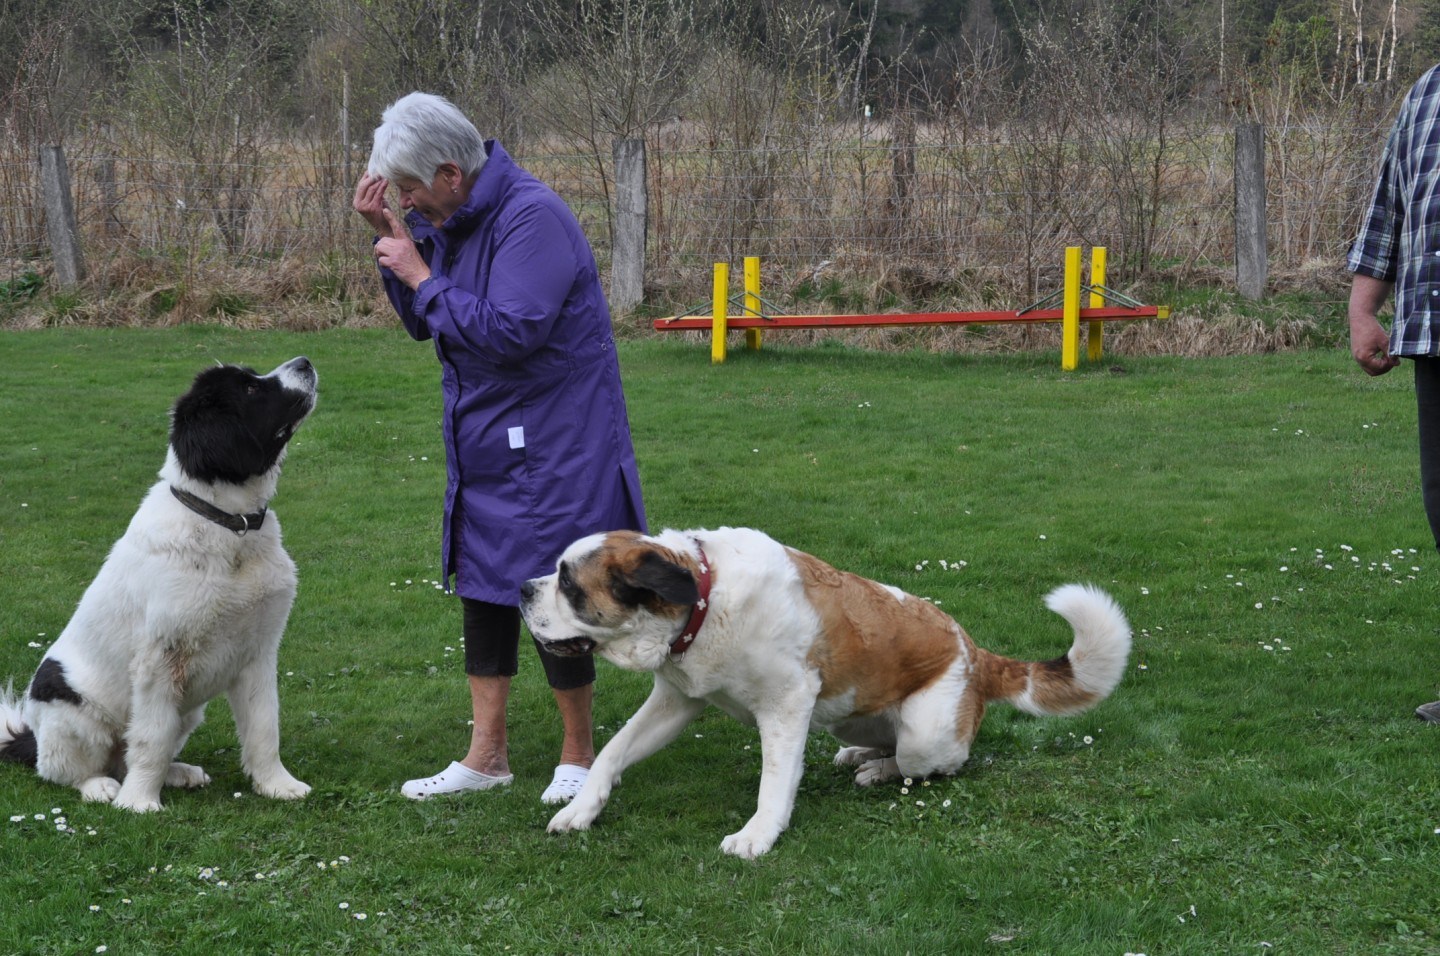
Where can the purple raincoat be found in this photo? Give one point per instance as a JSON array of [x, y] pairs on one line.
[[537, 442]]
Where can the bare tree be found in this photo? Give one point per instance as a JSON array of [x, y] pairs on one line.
[[472, 52]]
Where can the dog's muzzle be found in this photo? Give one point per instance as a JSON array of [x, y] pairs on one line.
[[570, 646]]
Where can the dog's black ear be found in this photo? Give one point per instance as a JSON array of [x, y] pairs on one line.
[[667, 580], [208, 430]]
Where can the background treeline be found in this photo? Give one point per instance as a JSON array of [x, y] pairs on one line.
[[921, 150], [64, 63]]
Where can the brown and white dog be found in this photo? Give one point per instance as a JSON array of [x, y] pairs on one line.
[[780, 639]]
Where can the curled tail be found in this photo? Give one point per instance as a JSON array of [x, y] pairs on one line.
[[17, 742], [1087, 673]]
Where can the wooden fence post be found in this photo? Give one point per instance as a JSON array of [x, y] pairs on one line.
[[109, 189], [1251, 264], [345, 180], [60, 217], [627, 247]]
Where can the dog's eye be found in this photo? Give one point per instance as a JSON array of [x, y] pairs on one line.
[[251, 389], [566, 582]]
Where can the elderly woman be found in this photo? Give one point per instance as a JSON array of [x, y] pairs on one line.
[[493, 268]]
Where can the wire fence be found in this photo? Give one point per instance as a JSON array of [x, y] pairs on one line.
[[991, 213]]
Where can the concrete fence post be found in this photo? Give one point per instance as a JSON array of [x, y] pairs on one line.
[[627, 247], [60, 223], [1251, 264]]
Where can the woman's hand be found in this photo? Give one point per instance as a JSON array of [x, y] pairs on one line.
[[396, 251], [370, 203]]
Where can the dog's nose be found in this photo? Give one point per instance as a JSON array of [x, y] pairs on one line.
[[302, 364], [527, 591]]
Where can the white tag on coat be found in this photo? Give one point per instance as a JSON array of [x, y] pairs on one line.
[[517, 437]]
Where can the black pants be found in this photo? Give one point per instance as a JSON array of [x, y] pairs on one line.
[[492, 648], [1427, 396]]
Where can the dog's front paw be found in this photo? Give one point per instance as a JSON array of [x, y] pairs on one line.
[[749, 843], [186, 775], [877, 771], [282, 788], [99, 790], [133, 800], [575, 816]]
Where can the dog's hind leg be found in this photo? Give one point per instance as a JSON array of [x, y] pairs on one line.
[[74, 749], [659, 720]]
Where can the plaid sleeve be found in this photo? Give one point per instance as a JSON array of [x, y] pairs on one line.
[[1373, 253]]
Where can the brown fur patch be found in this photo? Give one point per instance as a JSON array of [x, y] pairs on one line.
[[1055, 688], [1051, 683], [882, 648], [177, 661], [616, 561]]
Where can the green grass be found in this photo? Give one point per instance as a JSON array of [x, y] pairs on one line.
[[1256, 779]]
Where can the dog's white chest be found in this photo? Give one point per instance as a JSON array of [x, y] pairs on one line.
[[739, 710]]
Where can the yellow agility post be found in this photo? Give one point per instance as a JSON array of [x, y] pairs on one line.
[[1070, 313], [717, 321], [1095, 333], [753, 337]]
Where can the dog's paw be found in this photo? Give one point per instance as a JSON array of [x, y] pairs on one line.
[[99, 790], [282, 788], [136, 802], [855, 756], [186, 775], [749, 843], [877, 771], [572, 817]]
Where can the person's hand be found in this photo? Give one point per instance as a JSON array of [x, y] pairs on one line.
[[396, 251], [1370, 344], [370, 203]]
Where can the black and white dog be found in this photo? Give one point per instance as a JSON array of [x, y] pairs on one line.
[[190, 604]]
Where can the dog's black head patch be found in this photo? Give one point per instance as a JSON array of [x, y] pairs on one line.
[[233, 423]]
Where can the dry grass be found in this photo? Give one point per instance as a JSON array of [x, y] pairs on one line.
[[1187, 336], [306, 295]]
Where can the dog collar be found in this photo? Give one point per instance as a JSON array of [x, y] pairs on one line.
[[701, 608], [240, 524]]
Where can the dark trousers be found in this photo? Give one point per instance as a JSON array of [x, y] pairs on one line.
[[492, 648], [1427, 397]]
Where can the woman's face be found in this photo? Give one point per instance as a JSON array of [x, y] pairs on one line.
[[436, 200]]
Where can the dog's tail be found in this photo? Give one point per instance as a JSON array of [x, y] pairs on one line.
[[17, 742], [1086, 674]]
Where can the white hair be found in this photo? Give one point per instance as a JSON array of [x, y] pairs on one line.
[[420, 132]]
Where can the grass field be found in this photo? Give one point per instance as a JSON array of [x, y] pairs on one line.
[[1256, 785]]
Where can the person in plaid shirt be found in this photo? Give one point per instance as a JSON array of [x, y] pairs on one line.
[[1398, 249]]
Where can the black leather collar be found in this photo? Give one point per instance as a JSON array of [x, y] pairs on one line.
[[240, 524]]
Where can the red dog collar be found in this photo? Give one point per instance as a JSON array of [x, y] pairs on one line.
[[682, 643]]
